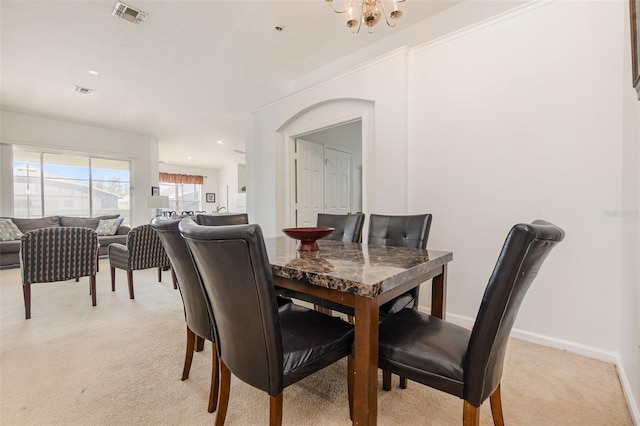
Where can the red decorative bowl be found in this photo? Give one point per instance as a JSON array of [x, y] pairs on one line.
[[308, 236]]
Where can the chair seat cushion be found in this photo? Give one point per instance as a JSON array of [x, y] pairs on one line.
[[311, 341], [425, 349]]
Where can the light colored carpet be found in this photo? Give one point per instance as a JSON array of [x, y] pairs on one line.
[[120, 363]]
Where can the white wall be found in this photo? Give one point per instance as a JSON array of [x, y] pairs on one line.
[[210, 184], [67, 136], [630, 286], [513, 123]]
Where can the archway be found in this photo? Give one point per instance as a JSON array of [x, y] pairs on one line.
[[316, 118]]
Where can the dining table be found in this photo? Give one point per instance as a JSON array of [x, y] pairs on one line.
[[362, 277]]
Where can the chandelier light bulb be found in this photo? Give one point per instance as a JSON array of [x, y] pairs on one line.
[[371, 12], [371, 16]]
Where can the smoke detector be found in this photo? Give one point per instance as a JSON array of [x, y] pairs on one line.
[[129, 13], [83, 90]]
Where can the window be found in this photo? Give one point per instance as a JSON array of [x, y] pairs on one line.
[[66, 180], [110, 186], [182, 196], [47, 184], [183, 191], [27, 184]]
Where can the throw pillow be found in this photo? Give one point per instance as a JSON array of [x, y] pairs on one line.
[[109, 226], [9, 231]]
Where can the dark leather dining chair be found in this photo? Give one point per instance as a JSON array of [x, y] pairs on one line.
[[400, 231], [347, 227], [196, 314], [468, 363], [222, 219], [410, 231], [271, 348]]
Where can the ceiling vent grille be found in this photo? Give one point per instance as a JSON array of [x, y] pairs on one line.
[[128, 13], [238, 151], [83, 90]]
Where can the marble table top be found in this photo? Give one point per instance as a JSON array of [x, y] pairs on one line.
[[350, 267]]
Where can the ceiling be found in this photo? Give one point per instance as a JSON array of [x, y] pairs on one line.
[[189, 76]]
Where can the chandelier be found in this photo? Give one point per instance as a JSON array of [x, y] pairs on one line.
[[370, 13]]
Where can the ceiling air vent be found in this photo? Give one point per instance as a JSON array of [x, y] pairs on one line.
[[83, 90], [238, 151], [128, 13]]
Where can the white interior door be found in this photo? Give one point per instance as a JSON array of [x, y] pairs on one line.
[[309, 182], [337, 188]]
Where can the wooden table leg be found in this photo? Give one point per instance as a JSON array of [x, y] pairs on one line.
[[365, 401], [439, 294]]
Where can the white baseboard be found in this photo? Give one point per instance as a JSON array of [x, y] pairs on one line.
[[628, 393], [541, 339], [569, 346]]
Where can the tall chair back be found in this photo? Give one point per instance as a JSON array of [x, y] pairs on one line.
[[525, 249], [400, 231], [347, 227], [222, 219]]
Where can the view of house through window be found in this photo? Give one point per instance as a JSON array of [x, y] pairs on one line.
[[182, 196], [47, 184]]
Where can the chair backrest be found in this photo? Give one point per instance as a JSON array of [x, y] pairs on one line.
[[145, 249], [522, 255], [348, 227], [196, 311], [58, 254], [236, 275], [222, 219], [400, 231]]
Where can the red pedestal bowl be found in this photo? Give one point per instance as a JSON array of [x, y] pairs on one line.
[[308, 236]]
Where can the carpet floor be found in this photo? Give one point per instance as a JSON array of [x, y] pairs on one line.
[[120, 363]]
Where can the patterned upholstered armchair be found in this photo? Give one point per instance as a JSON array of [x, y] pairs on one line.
[[143, 250], [57, 254]]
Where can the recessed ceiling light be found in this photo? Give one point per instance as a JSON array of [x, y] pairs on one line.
[[220, 143], [94, 72], [188, 157]]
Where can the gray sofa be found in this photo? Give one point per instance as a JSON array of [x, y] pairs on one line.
[[10, 250]]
